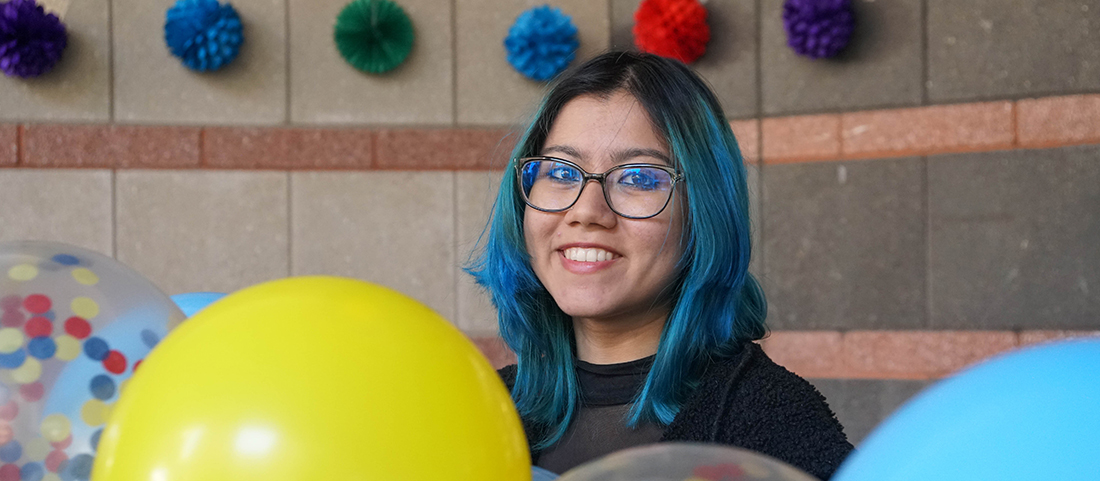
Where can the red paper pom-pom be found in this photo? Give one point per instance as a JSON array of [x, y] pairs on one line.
[[672, 28]]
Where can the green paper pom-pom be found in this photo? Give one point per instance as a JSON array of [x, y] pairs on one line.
[[374, 36]]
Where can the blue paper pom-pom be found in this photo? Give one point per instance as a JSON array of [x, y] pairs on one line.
[[818, 28], [541, 43], [203, 33]]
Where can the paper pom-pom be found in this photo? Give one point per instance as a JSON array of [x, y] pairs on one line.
[[672, 28], [31, 40], [374, 36], [818, 28], [203, 33], [541, 43]]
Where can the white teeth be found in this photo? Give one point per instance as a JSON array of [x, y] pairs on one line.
[[581, 254]]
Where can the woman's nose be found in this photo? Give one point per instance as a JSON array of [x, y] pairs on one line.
[[591, 207]]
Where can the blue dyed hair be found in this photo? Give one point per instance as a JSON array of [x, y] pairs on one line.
[[717, 304]]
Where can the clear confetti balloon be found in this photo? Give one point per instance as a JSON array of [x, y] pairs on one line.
[[74, 325], [685, 462]]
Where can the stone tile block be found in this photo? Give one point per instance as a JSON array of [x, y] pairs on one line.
[[1057, 121], [70, 206], [203, 230], [279, 148], [845, 244], [78, 88], [925, 130], [9, 145], [1013, 239], [862, 404], [729, 64], [57, 145], [489, 90], [747, 133], [325, 89], [393, 228], [415, 149], [152, 86], [475, 193], [983, 49], [801, 138], [920, 354], [881, 67], [807, 353]]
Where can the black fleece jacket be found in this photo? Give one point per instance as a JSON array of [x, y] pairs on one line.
[[749, 401]]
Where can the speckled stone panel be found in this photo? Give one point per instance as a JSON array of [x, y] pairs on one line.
[[881, 67], [325, 89], [729, 64], [982, 49], [152, 86], [393, 228], [862, 404], [475, 193], [197, 230], [70, 206], [78, 88], [845, 244], [1013, 239], [490, 91]]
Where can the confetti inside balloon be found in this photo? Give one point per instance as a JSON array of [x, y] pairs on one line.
[[72, 323]]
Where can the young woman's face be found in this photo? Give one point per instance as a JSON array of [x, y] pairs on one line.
[[596, 264]]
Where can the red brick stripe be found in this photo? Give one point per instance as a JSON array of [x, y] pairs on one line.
[[869, 354], [984, 126], [107, 146], [895, 354], [287, 148]]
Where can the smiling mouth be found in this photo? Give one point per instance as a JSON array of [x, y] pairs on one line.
[[588, 254]]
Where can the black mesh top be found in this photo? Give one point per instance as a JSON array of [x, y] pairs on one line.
[[599, 426]]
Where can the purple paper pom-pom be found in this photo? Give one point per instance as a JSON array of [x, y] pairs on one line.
[[31, 40], [818, 28]]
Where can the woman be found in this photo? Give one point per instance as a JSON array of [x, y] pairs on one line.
[[617, 258]]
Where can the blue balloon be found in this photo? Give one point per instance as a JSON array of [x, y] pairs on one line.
[[539, 474], [1031, 414], [193, 302]]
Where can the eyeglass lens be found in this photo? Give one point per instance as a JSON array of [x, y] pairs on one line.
[[631, 191]]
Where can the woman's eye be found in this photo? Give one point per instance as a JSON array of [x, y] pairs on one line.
[[640, 179], [564, 174]]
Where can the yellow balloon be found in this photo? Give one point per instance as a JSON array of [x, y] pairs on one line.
[[314, 378]]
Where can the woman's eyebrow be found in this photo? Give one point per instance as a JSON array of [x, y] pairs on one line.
[[627, 154], [563, 149]]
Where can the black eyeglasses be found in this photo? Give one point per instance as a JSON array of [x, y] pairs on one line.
[[634, 191]]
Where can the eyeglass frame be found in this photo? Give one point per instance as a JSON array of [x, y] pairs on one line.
[[520, 162]]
